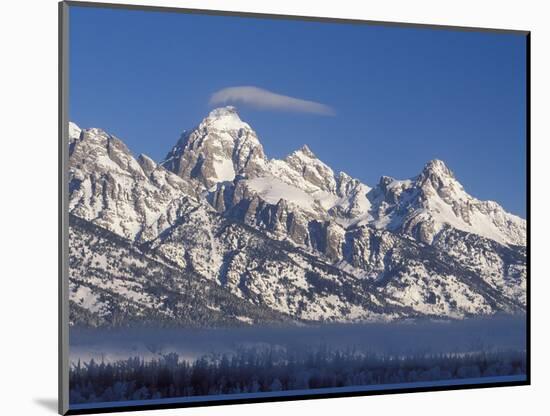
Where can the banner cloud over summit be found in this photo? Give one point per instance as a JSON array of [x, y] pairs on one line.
[[267, 100]]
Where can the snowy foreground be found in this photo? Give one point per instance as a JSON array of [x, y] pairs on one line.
[[141, 364]]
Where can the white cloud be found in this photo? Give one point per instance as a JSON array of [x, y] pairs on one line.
[[264, 99]]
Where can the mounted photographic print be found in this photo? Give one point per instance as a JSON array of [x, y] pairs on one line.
[[263, 208]]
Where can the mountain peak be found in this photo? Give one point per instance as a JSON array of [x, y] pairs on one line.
[[305, 150], [438, 168], [147, 164], [226, 111], [221, 147], [74, 131], [385, 181], [224, 118]]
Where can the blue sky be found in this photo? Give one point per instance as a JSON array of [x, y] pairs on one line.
[[400, 96]]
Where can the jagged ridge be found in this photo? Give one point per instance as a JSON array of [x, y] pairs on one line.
[[217, 208]]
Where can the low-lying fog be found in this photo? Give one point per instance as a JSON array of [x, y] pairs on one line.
[[419, 337]]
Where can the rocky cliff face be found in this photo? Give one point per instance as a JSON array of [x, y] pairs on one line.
[[136, 199], [290, 237], [219, 149]]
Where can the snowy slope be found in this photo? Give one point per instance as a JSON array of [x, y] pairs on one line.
[[134, 198], [223, 149], [219, 148], [289, 236], [424, 205]]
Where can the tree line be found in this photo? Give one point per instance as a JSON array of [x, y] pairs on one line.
[[254, 370]]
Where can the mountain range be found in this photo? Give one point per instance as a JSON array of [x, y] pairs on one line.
[[218, 234]]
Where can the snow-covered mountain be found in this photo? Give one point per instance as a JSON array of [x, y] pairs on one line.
[[131, 197], [290, 237], [219, 149], [424, 205]]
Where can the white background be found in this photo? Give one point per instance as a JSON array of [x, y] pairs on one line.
[[28, 204]]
